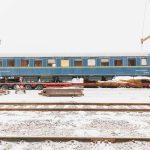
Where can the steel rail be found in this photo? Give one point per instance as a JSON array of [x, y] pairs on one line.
[[76, 109], [69, 103], [64, 139], [21, 106]]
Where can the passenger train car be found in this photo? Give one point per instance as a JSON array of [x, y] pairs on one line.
[[61, 68]]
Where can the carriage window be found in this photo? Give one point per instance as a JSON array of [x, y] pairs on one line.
[[143, 61], [11, 63], [0, 63], [64, 63], [51, 63], [78, 62], [131, 62], [24, 63], [118, 62], [91, 62], [105, 62], [38, 63]]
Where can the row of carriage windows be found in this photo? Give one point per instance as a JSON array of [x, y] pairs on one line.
[[77, 62]]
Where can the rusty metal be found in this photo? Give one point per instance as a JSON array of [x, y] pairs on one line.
[[64, 139], [22, 107], [75, 109], [69, 103]]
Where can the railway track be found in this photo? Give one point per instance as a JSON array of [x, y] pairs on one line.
[[65, 139], [112, 107]]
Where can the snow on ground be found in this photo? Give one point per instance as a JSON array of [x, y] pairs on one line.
[[77, 123], [90, 95], [74, 145], [118, 78]]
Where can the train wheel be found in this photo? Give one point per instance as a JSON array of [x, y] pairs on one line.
[[28, 87], [4, 87], [39, 87], [15, 87]]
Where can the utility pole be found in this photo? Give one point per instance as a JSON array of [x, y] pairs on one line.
[[145, 39]]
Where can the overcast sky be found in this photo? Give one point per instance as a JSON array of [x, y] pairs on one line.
[[68, 26]]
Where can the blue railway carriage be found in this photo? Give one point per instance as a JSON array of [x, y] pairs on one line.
[[60, 68]]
